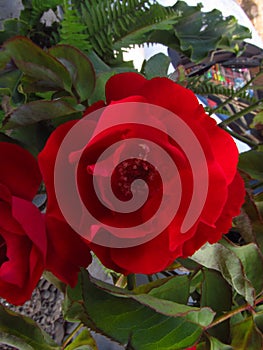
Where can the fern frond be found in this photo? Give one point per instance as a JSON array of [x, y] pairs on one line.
[[207, 87], [72, 31]]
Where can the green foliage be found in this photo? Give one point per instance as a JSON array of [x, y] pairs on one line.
[[137, 319], [113, 26], [72, 30], [23, 333]]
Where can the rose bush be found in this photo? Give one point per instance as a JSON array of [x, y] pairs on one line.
[[23, 241], [225, 188]]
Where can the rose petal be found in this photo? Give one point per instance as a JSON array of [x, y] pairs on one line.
[[67, 251], [20, 172]]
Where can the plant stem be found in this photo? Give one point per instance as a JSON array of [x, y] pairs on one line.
[[241, 138], [246, 307], [71, 336], [241, 113], [229, 99], [131, 281]]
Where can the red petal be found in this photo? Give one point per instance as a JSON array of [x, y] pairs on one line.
[[20, 172], [123, 85], [32, 222], [67, 251]]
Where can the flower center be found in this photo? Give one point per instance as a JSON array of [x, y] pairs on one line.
[[3, 257], [128, 171]]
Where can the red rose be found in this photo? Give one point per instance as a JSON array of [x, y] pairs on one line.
[[161, 109], [22, 228], [67, 251]]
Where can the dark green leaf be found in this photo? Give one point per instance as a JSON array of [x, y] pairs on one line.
[[36, 111], [99, 92], [79, 67], [217, 294], [126, 317], [13, 27], [245, 336], [23, 333], [251, 162], [37, 63], [157, 66]]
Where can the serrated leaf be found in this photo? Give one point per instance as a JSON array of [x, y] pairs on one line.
[[37, 63], [127, 320], [79, 67], [23, 333], [252, 262], [36, 111], [225, 261]]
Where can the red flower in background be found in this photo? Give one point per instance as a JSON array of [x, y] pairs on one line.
[[225, 188], [22, 228]]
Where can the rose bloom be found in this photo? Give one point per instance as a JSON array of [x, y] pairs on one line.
[[225, 188], [22, 228]]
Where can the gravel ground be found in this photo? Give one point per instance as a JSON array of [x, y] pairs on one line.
[[45, 308]]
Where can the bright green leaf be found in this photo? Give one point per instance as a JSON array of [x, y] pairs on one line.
[[215, 344], [83, 341]]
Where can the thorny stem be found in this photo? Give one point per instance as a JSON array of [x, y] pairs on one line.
[[71, 336], [246, 307]]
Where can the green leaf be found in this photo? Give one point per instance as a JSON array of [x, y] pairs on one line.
[[202, 32], [13, 27], [99, 92], [83, 341], [258, 318], [172, 288], [257, 121], [217, 294], [224, 260], [9, 81], [245, 336], [157, 66], [251, 163], [129, 318], [252, 262], [22, 332], [36, 111], [215, 344], [37, 63], [79, 67]]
